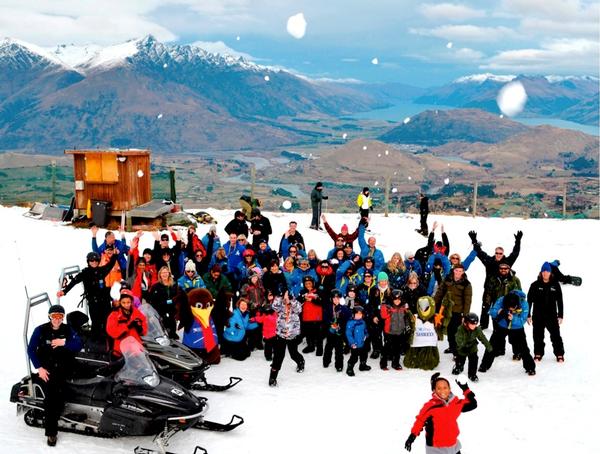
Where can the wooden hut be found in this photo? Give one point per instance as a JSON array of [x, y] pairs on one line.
[[121, 177]]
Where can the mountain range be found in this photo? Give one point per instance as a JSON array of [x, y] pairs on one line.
[[573, 98], [146, 93]]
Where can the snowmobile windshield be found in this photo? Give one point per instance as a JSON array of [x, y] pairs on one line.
[[138, 369], [156, 331]]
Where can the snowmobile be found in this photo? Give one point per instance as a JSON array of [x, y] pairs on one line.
[[172, 359], [124, 398]]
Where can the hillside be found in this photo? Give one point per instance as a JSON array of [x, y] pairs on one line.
[[437, 127]]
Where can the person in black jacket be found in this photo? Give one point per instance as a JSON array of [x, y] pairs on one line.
[[316, 200], [546, 302], [260, 227], [52, 349], [492, 265], [237, 225], [274, 280], [423, 211], [95, 291]]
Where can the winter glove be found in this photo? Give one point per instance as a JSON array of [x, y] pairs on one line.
[[409, 441], [464, 386], [438, 320], [518, 235], [136, 325], [473, 236]]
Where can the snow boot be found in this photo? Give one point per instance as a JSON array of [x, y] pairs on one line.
[[51, 440], [396, 366], [273, 377], [339, 369], [319, 350], [308, 349], [531, 372], [474, 378], [456, 370], [300, 367], [538, 358], [560, 359], [364, 367], [517, 357], [350, 371], [482, 369], [375, 354]]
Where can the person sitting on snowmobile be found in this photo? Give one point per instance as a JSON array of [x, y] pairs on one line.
[[125, 321], [52, 349]]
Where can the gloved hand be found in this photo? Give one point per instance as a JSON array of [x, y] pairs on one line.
[[518, 235], [464, 386], [473, 236], [135, 324], [437, 318], [409, 441]]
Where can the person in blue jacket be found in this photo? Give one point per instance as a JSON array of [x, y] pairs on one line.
[[212, 233], [52, 349], [190, 279], [510, 313], [368, 249], [110, 240], [357, 334], [411, 264], [235, 334]]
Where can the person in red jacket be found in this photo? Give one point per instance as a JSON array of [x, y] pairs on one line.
[[345, 233], [266, 316], [125, 321], [439, 416], [312, 316]]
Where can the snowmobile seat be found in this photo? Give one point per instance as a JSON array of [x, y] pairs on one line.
[[76, 320], [89, 391]]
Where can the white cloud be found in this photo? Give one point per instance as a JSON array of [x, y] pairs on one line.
[[467, 54], [450, 12], [559, 10], [349, 60], [465, 33], [561, 55], [219, 47]]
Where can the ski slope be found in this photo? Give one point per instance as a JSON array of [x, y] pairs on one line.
[[322, 411]]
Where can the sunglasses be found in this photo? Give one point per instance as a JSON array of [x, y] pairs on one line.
[[190, 271], [93, 261], [499, 253], [504, 268], [57, 316]]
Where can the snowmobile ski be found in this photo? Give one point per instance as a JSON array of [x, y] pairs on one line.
[[218, 427], [141, 450], [204, 386]]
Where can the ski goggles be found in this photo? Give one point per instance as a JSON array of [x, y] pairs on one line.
[[56, 316]]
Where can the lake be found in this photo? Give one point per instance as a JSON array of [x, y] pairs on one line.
[[399, 112]]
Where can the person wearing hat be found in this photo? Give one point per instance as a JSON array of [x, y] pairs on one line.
[[510, 313], [238, 224], [438, 266], [411, 264], [439, 417], [221, 290], [468, 335], [163, 255], [364, 203], [396, 326], [291, 237], [491, 264], [335, 317], [380, 294], [51, 349], [125, 321], [211, 234], [364, 288], [344, 232], [190, 278], [260, 228], [357, 336], [312, 316], [264, 255], [316, 201], [95, 291], [546, 303]]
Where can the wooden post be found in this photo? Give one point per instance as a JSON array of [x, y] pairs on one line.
[[475, 199], [387, 196], [53, 168], [252, 181], [565, 201], [172, 181]]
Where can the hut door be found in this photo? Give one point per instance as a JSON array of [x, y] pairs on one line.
[[101, 168]]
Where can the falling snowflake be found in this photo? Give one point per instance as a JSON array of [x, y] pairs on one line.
[[394, 190], [286, 204], [467, 209], [379, 155], [545, 215], [159, 116], [501, 115], [377, 183], [410, 178], [448, 164], [375, 61], [267, 78], [165, 65], [296, 25], [512, 98], [344, 136], [364, 147], [406, 120], [387, 152], [237, 38], [447, 180], [140, 173], [449, 45]]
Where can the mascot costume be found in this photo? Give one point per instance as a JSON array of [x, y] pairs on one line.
[[423, 352], [200, 333]]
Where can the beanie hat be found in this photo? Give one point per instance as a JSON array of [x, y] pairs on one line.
[[546, 267], [435, 378], [164, 236], [56, 309], [190, 266], [382, 276], [126, 294], [408, 254], [319, 185], [345, 227], [216, 268], [213, 228]]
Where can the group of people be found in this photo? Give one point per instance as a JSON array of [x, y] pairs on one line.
[[239, 296]]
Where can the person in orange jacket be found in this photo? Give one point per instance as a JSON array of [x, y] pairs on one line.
[[125, 321]]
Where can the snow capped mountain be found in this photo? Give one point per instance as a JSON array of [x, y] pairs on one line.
[[481, 78], [20, 54], [73, 55]]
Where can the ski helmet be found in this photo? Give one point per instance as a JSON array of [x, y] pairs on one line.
[[472, 317], [56, 309], [93, 257]]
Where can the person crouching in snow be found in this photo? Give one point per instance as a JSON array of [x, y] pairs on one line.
[[235, 334], [357, 334], [439, 417], [467, 336]]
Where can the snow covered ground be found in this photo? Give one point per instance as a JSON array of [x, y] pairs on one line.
[[323, 411]]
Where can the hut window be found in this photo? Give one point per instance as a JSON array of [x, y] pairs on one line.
[[101, 168]]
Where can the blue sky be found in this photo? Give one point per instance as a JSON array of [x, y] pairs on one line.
[[410, 39]]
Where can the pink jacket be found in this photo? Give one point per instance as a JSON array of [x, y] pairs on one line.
[[269, 323]]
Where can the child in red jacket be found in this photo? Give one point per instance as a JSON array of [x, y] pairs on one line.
[[267, 317], [439, 416]]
